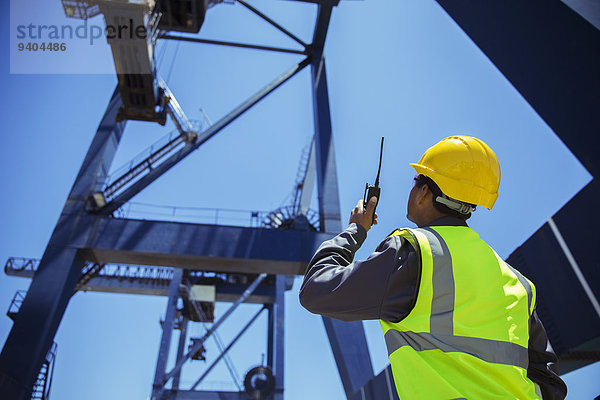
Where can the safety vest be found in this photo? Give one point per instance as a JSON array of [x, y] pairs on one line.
[[467, 335]]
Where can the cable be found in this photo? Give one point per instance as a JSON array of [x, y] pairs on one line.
[[232, 371], [230, 366], [172, 62], [163, 49]]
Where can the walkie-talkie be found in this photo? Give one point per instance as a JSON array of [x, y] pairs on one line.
[[374, 190]]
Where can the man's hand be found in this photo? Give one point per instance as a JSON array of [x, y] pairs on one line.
[[363, 217]]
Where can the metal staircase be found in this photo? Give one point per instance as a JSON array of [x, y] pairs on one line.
[[43, 382]]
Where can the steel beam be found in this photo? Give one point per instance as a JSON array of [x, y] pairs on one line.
[[273, 23], [550, 55], [270, 336], [180, 351], [327, 181], [151, 281], [201, 247], [347, 339], [322, 25], [233, 44], [309, 180], [60, 268], [167, 332], [277, 335], [351, 352], [224, 292]]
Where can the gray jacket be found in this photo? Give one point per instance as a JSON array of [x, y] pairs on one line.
[[384, 286]]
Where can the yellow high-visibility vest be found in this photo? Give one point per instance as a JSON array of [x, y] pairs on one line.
[[468, 333]]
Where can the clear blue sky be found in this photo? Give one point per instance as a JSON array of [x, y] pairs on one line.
[[402, 69]]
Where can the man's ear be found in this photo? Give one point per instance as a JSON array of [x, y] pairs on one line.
[[422, 194]]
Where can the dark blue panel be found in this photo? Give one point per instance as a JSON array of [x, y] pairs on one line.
[[563, 306], [578, 225], [550, 54]]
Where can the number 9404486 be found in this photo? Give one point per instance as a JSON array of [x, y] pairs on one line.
[[49, 46]]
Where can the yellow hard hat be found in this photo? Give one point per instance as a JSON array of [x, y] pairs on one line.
[[465, 169]]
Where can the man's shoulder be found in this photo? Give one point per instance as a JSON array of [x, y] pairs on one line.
[[400, 239]]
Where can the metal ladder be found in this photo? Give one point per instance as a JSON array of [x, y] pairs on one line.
[[43, 382]]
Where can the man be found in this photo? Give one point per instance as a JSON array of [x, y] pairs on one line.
[[459, 322]]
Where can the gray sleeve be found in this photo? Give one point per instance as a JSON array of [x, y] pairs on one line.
[[337, 287], [543, 364]]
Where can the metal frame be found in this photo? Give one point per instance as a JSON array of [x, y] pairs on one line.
[[84, 233]]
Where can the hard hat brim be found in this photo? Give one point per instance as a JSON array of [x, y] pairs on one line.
[[462, 191]]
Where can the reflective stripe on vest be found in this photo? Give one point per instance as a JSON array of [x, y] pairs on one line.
[[493, 351], [438, 332]]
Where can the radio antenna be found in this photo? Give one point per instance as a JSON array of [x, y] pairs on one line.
[[380, 158]]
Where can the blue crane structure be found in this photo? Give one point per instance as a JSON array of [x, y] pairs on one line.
[[547, 49], [207, 262]]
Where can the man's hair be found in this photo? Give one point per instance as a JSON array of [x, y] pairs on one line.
[[421, 180]]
